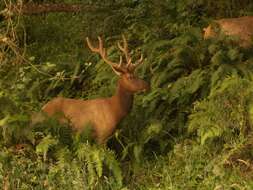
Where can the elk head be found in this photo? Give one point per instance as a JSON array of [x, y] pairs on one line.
[[241, 28], [125, 69]]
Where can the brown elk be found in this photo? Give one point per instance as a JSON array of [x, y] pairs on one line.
[[241, 28], [102, 113]]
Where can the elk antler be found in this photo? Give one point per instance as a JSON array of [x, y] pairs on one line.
[[138, 62], [101, 50], [124, 49], [128, 67]]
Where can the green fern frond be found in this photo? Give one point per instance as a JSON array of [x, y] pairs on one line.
[[150, 132], [220, 74], [45, 144], [97, 156], [91, 173], [224, 113], [114, 167]]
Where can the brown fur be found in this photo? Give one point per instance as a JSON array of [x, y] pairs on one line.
[[241, 27]]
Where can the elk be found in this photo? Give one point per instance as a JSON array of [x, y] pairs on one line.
[[103, 113], [241, 28]]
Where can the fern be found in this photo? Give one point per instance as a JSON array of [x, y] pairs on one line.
[[63, 156], [91, 174], [44, 145], [209, 132], [114, 166], [222, 72], [224, 112], [96, 158], [151, 132], [219, 58]]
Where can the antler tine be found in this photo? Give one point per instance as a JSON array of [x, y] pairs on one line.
[[139, 62], [124, 49], [125, 45], [92, 48], [101, 50], [120, 61]]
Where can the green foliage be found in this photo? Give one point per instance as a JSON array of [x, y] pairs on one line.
[[191, 131], [224, 113], [44, 145], [95, 158], [50, 163]]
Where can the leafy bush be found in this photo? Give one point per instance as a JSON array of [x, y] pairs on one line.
[[225, 112]]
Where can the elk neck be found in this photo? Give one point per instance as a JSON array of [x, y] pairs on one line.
[[122, 101]]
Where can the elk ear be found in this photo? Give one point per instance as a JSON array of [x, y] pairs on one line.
[[118, 70]]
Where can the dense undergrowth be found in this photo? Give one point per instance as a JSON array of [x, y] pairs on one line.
[[193, 130]]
